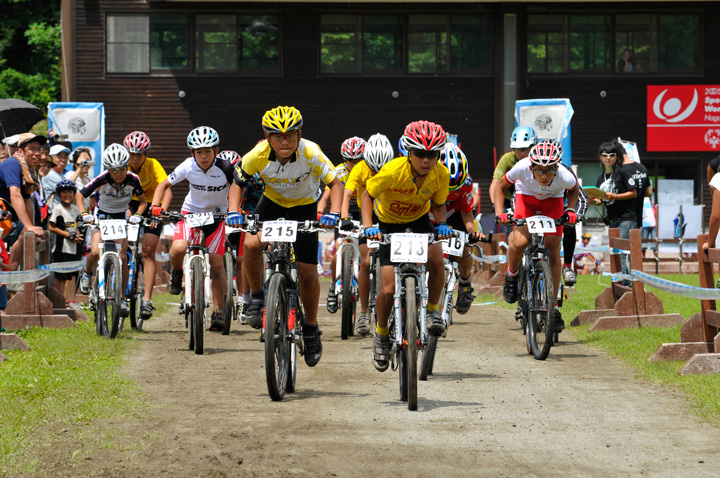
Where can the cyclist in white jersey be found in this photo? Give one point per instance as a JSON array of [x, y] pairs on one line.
[[210, 178], [115, 188]]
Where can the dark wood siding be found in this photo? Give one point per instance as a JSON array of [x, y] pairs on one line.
[[333, 108]]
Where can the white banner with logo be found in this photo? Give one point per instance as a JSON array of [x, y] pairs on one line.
[[84, 125], [550, 118]]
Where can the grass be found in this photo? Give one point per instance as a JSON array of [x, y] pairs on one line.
[[634, 346], [69, 378]]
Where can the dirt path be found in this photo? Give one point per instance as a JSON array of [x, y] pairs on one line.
[[489, 410]]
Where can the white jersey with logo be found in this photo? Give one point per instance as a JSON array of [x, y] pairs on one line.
[[208, 189], [524, 180]]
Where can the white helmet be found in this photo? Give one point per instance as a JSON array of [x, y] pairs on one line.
[[378, 151], [115, 156], [523, 137], [203, 137]]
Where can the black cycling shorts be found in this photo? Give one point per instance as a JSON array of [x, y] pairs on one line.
[[306, 245], [421, 225]]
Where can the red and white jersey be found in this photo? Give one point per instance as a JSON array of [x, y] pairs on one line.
[[524, 180]]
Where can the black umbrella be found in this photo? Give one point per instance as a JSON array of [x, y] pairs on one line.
[[18, 116]]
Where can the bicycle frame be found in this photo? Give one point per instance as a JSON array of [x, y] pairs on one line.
[[196, 247], [349, 239], [99, 277], [132, 252], [402, 271]]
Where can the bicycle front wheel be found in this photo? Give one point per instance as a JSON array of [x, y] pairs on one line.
[[411, 345], [113, 295], [541, 312], [347, 324], [428, 357], [198, 297], [134, 297], [229, 291], [277, 342]]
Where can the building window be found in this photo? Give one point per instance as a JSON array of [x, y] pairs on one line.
[[128, 46], [397, 44], [154, 44], [169, 42], [642, 43]]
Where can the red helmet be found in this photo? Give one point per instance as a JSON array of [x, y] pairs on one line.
[[353, 149], [137, 142], [230, 155], [424, 135], [548, 152]]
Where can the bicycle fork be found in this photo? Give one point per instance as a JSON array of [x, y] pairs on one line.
[[188, 273]]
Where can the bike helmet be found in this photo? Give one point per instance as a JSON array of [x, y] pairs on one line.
[[378, 151], [353, 149], [115, 156], [523, 137], [547, 152], [401, 148], [137, 142], [230, 155], [65, 185], [587, 236], [203, 137], [455, 161], [281, 120], [424, 135]]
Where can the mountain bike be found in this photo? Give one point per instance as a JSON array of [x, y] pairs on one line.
[[407, 321], [107, 286], [536, 311], [346, 278], [196, 273], [135, 288], [230, 311], [283, 315], [453, 248]]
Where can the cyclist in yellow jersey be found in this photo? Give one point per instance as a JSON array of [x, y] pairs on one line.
[[353, 152], [292, 169], [378, 151], [400, 195], [151, 173]]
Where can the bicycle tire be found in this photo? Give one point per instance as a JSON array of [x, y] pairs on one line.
[[402, 372], [198, 296], [113, 294], [541, 311], [428, 357], [189, 326], [229, 291], [292, 375], [347, 320], [375, 281], [411, 334], [277, 345], [133, 296]]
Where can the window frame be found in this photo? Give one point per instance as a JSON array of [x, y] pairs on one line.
[[192, 70]]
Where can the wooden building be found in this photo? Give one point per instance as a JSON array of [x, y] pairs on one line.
[[356, 68]]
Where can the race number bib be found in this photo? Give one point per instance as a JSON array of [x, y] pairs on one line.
[[540, 224], [408, 247], [111, 229], [199, 220], [454, 246], [279, 231], [132, 232]]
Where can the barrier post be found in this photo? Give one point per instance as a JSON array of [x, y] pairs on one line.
[[699, 338], [622, 307], [491, 278]]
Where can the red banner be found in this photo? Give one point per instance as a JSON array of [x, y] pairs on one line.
[[683, 118]]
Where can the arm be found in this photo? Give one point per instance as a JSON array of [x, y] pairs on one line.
[[143, 204], [345, 208], [366, 210], [439, 212], [75, 174], [491, 191], [56, 230], [336, 195], [468, 220], [710, 173], [503, 185], [572, 196], [159, 196], [622, 196], [18, 203], [322, 202], [649, 191], [80, 201], [235, 197], [714, 220]]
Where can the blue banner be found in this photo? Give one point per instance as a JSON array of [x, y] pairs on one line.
[[84, 125]]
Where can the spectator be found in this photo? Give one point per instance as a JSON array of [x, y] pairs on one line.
[[712, 169], [627, 65], [63, 224], [642, 182], [5, 265], [82, 159], [10, 144], [584, 262], [59, 155]]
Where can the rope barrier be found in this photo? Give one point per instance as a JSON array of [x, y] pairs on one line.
[[13, 277], [676, 288], [64, 267]]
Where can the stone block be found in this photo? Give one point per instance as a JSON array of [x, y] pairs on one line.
[[701, 364], [19, 322], [692, 330], [13, 342], [680, 351], [590, 316], [74, 314], [2, 357], [637, 321], [605, 300]]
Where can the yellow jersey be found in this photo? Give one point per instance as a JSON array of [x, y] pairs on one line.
[[296, 183], [357, 180], [398, 200], [151, 173]]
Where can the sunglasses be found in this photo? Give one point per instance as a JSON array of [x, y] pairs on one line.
[[423, 154], [287, 136], [608, 155], [543, 172], [118, 170]]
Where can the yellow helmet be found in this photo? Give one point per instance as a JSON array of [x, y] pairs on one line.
[[281, 120]]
